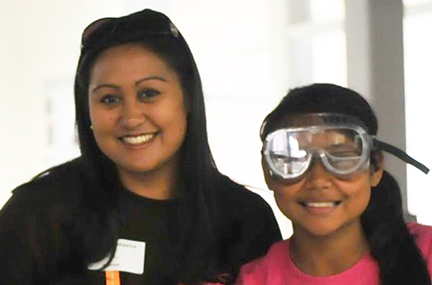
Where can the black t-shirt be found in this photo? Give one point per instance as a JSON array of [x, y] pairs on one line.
[[37, 227]]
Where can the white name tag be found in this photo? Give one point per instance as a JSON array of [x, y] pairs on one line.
[[129, 257]]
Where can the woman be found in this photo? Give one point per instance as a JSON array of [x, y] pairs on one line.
[[144, 201], [325, 165]]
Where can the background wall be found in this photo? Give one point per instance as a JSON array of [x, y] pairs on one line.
[[249, 52]]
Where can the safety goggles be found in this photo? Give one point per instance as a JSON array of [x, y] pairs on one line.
[[134, 26], [341, 143]]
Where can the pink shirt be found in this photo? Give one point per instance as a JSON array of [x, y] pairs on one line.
[[277, 268]]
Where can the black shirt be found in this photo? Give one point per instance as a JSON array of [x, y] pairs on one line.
[[39, 245]]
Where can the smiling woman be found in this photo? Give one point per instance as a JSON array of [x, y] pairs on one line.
[[144, 202]]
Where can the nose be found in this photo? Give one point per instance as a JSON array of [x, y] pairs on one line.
[[132, 115], [318, 177]]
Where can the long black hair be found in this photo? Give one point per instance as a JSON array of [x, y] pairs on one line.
[[197, 214], [400, 261]]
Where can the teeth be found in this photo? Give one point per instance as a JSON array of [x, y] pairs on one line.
[[138, 139], [321, 204]]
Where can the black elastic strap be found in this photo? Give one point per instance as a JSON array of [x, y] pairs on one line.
[[400, 154]]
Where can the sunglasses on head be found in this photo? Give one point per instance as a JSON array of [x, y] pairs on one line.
[[134, 26]]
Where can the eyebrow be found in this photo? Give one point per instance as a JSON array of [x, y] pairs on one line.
[[154, 77], [104, 85], [107, 85]]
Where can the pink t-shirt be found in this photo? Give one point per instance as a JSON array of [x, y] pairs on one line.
[[277, 268]]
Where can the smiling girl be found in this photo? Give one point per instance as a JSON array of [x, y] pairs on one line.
[[325, 166]]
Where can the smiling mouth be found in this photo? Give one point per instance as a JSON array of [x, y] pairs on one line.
[[329, 204], [134, 140]]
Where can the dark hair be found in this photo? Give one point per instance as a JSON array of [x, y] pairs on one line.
[[391, 244], [197, 216]]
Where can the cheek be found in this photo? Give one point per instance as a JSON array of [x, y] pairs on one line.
[[177, 119], [281, 202], [179, 131], [285, 199], [174, 126], [358, 192], [101, 119], [365, 196]]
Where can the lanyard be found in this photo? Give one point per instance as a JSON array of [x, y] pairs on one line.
[[112, 278]]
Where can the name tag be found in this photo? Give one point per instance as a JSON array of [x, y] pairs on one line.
[[129, 257]]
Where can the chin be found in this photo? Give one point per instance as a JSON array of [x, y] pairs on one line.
[[318, 229], [136, 168], [323, 232]]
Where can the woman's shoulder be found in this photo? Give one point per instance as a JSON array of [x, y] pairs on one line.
[[237, 193], [56, 186], [241, 202], [245, 205], [38, 223], [248, 220]]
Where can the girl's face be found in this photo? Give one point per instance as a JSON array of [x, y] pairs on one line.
[[137, 110], [320, 203]]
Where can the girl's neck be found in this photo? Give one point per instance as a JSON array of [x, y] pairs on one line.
[[330, 254], [160, 184]]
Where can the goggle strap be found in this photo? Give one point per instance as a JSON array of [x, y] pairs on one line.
[[400, 154]]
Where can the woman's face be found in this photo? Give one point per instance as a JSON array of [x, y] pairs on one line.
[[321, 203], [137, 109]]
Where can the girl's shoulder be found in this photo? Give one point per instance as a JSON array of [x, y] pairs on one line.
[[277, 255], [272, 265], [275, 259], [419, 229], [423, 237]]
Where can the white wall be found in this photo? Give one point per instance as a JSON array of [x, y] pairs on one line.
[[418, 61]]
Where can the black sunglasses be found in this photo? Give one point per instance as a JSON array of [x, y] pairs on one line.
[[107, 31]]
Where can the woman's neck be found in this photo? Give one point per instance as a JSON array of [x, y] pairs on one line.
[[331, 254], [160, 184]]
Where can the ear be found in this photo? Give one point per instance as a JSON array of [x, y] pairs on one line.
[[377, 168]]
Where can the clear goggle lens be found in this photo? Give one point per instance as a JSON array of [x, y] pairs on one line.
[[342, 150]]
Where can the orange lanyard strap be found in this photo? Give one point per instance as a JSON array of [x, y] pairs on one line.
[[112, 277]]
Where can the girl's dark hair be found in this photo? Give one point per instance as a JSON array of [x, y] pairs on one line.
[[197, 215], [400, 261]]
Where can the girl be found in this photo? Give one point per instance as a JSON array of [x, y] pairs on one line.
[[322, 160], [144, 203]]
